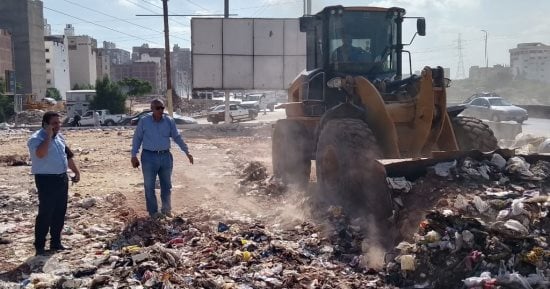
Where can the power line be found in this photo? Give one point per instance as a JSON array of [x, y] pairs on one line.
[[268, 5], [146, 8], [103, 26], [460, 73], [102, 13], [197, 5]]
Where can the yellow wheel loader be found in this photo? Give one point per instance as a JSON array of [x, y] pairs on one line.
[[352, 106]]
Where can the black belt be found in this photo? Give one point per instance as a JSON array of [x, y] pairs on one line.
[[51, 175], [158, 152]]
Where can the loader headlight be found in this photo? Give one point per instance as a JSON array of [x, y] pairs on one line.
[[336, 82]]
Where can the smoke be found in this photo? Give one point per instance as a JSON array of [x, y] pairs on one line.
[[373, 250]]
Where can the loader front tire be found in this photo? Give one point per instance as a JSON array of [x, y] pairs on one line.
[[473, 134], [348, 173], [292, 146]]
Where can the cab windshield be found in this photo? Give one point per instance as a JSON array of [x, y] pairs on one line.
[[360, 42]]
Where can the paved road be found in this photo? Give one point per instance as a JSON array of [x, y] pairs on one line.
[[534, 126], [268, 117], [537, 127]]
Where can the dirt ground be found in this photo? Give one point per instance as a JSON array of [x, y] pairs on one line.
[[104, 160]]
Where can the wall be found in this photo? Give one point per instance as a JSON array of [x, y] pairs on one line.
[[24, 19], [82, 60], [6, 57], [57, 64]]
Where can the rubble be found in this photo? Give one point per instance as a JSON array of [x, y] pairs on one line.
[[255, 181], [487, 229], [31, 116], [473, 222]]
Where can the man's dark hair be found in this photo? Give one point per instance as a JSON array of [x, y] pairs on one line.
[[48, 116]]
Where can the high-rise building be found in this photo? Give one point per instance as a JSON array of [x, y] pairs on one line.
[[146, 71], [69, 30], [116, 55], [146, 54], [531, 61], [6, 56], [47, 28], [24, 20], [103, 63], [57, 63], [82, 59]]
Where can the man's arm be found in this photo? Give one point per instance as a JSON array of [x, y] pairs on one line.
[[178, 138], [72, 165], [40, 146], [137, 139], [42, 149]]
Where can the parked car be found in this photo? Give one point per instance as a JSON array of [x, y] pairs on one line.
[[259, 101], [179, 119], [236, 113], [494, 108], [105, 118]]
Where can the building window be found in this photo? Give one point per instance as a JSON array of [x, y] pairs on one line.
[[47, 50], [48, 81], [47, 61], [48, 71]]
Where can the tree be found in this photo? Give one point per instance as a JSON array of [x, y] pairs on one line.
[[82, 86], [108, 96], [6, 104], [53, 92], [136, 87]]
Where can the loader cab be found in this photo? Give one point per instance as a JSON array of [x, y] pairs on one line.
[[354, 41]]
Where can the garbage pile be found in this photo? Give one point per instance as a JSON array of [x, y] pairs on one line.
[[196, 107], [489, 227], [192, 251], [255, 181], [32, 116], [15, 160]]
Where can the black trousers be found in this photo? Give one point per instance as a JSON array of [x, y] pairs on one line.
[[53, 194]]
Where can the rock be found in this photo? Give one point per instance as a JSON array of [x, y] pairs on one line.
[[87, 203]]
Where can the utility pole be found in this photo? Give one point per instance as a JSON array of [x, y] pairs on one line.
[[169, 102], [307, 7], [460, 67], [486, 57], [226, 92]]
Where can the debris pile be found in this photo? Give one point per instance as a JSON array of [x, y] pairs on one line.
[[196, 107], [15, 160], [255, 181], [32, 116], [489, 227], [192, 251]]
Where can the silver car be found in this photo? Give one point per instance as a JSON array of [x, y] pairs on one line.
[[494, 108]]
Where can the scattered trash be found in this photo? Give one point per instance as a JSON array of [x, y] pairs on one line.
[[444, 169], [399, 184]]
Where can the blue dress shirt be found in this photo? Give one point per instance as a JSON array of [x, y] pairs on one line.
[[55, 161], [155, 135]]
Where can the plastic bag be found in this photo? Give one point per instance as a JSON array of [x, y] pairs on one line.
[[480, 204]]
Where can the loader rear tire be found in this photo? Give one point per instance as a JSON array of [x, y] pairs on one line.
[[473, 134], [292, 146], [348, 173]]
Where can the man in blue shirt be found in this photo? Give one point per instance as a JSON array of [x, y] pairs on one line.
[[153, 133], [50, 158]]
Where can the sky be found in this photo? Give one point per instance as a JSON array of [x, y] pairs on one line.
[[507, 22]]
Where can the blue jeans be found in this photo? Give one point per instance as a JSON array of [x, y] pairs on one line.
[[153, 164]]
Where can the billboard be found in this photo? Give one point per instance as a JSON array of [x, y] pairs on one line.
[[246, 53]]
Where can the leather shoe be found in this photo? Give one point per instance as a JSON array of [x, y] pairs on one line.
[[59, 247], [40, 252]]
